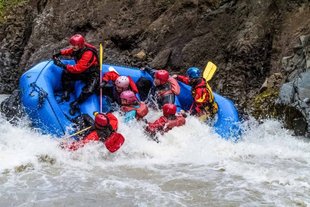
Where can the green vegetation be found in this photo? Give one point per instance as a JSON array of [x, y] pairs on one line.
[[263, 105], [6, 5]]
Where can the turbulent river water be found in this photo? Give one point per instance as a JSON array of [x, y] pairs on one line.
[[191, 166]]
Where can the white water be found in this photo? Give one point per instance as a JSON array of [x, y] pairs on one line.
[[191, 166]]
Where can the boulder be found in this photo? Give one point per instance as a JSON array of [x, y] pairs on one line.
[[294, 96]]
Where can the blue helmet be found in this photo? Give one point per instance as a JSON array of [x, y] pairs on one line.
[[193, 72]]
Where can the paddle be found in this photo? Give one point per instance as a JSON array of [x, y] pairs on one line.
[[209, 71], [208, 74], [101, 58], [79, 132]]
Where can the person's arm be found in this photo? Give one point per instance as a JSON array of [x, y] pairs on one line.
[[113, 121], [156, 125], [82, 65], [183, 79], [66, 52], [149, 70], [83, 121], [88, 120], [132, 85], [110, 76]]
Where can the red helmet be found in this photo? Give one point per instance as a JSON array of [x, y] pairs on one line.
[[78, 40], [169, 109], [162, 76], [101, 120]]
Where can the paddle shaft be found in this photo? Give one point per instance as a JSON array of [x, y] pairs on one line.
[[101, 58], [76, 133]]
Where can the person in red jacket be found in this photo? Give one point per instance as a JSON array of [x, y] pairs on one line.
[[165, 88], [103, 130], [166, 122], [86, 69], [120, 84], [204, 105], [132, 107]]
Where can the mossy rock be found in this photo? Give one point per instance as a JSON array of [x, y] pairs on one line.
[[264, 104], [6, 5]]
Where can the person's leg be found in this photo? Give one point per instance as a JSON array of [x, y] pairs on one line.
[[67, 88], [144, 85], [88, 90]]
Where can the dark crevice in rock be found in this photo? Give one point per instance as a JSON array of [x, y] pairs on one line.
[[294, 120], [41, 4], [125, 41], [83, 29]]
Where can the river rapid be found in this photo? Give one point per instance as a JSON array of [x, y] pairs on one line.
[[191, 166]]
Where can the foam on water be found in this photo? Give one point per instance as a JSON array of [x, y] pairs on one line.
[[190, 166]]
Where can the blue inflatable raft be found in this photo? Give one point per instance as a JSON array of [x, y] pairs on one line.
[[41, 88]]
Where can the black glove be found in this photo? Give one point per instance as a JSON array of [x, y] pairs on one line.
[[59, 63], [56, 56], [103, 84]]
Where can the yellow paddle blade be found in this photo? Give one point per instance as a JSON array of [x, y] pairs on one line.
[[209, 71]]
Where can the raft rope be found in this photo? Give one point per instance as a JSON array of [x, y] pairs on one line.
[[44, 95], [63, 131]]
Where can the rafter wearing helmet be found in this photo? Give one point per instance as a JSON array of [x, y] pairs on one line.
[[86, 69], [204, 105], [132, 107], [168, 121], [164, 88], [120, 84], [104, 130]]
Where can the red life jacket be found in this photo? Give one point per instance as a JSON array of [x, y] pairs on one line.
[[175, 87], [116, 139], [112, 143], [94, 60], [164, 124], [179, 121], [142, 110], [205, 102], [171, 87], [88, 65]]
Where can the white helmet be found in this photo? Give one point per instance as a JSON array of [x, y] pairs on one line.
[[122, 82]]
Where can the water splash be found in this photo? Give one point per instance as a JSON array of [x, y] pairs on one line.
[[191, 165]]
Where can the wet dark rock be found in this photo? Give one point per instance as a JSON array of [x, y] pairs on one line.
[[287, 93], [11, 107], [295, 94], [46, 159], [22, 168], [247, 41]]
